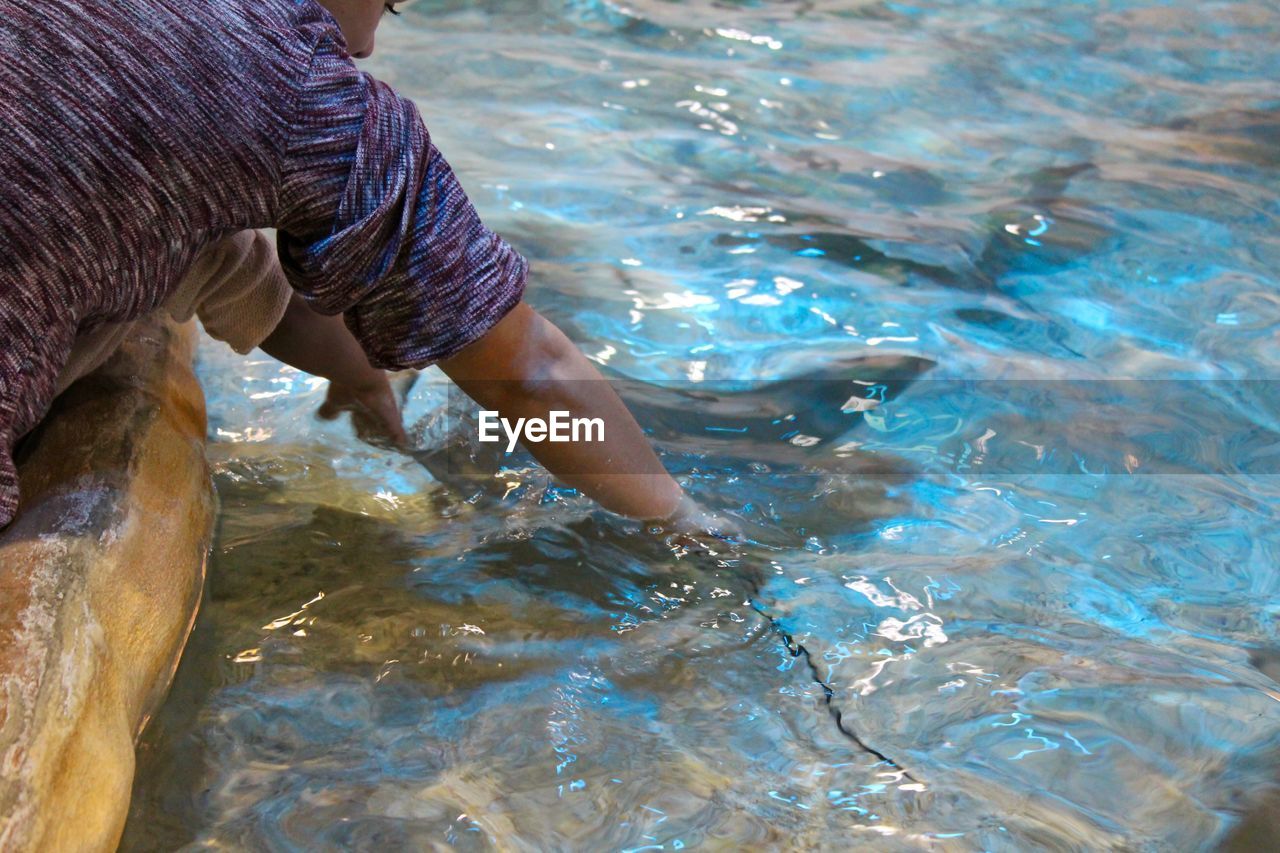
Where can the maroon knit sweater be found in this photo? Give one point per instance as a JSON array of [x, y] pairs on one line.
[[133, 133]]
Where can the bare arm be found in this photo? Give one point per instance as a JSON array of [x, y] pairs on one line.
[[322, 345], [525, 367]]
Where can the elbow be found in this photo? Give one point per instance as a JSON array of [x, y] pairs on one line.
[[524, 358], [546, 366]]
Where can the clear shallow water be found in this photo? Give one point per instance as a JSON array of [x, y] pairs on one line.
[[1059, 658]]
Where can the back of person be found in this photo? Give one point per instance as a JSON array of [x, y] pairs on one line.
[[132, 134], [135, 133]]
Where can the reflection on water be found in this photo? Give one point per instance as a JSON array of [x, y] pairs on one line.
[[1054, 648]]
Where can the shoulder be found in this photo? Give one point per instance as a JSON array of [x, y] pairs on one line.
[[248, 61], [272, 39], [294, 26], [257, 45]]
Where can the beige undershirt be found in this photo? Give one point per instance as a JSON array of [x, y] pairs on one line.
[[235, 287]]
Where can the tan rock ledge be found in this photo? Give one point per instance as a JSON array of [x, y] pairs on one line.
[[100, 578]]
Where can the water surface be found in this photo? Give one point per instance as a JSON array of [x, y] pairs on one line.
[[1053, 646]]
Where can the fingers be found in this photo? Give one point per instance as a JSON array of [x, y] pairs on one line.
[[693, 527], [337, 399], [386, 416], [374, 414]]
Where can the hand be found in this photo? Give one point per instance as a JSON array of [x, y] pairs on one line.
[[692, 521], [373, 408], [694, 530]]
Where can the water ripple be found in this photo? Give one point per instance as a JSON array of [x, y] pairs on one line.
[[1057, 648]]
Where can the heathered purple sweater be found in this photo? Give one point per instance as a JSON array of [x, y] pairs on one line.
[[135, 132]]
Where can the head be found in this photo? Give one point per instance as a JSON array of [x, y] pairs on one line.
[[358, 20]]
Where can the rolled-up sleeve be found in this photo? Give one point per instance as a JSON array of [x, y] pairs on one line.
[[373, 223]]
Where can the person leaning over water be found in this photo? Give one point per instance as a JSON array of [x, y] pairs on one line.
[[143, 141]]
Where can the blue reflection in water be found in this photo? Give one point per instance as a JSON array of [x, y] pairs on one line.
[[1034, 588]]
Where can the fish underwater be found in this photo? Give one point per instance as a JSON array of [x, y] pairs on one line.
[[800, 430], [802, 425]]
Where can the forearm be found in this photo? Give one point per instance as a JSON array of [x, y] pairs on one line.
[[321, 345], [619, 469], [527, 368]]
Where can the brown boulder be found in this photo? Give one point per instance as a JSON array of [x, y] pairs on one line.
[[100, 577]]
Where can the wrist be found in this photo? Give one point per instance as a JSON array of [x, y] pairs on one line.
[[369, 382]]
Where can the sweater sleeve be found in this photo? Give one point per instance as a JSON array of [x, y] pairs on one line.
[[35, 339], [373, 223]]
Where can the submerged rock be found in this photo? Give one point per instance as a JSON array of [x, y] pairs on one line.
[[100, 577]]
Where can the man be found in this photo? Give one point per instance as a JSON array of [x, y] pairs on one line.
[[141, 142]]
